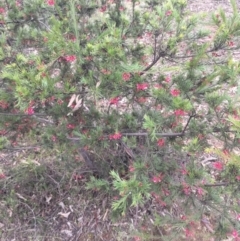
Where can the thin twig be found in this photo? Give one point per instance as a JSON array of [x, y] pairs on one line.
[[161, 54], [189, 119], [157, 134], [21, 114], [21, 148], [219, 184]]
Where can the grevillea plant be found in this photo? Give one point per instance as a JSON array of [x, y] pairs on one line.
[[141, 87]]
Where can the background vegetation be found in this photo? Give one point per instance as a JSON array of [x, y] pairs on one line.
[[119, 121]]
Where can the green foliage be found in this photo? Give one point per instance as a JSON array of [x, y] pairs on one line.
[[3, 142], [132, 192], [140, 87], [97, 184]]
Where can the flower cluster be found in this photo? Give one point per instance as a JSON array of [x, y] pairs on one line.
[[186, 189], [2, 10], [3, 104], [169, 13], [115, 136], [175, 92], [235, 234], [2, 176], [70, 126], [158, 178], [29, 110], [50, 2], [142, 86], [131, 168], [158, 199], [179, 112], [105, 71], [70, 58], [218, 165], [114, 101], [168, 79], [103, 9], [126, 76], [160, 142]]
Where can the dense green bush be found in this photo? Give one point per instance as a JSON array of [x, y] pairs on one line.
[[139, 86]]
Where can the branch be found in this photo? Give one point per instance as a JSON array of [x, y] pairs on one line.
[[157, 134], [219, 184], [161, 54], [189, 119], [21, 148], [21, 114]]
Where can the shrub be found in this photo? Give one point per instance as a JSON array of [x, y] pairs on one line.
[[140, 86]]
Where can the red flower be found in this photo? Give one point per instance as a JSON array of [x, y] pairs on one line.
[[131, 168], [234, 233], [158, 86], [179, 112], [85, 132], [184, 171], [226, 152], [54, 138], [175, 92], [2, 176], [77, 177], [89, 58], [158, 178], [230, 43], [160, 142], [70, 58], [153, 194], [166, 192], [200, 191], [218, 165], [60, 102], [137, 238], [161, 202], [149, 34], [115, 136], [70, 126], [103, 9], [3, 132], [50, 2], [183, 217], [2, 10], [114, 101], [142, 86], [72, 37], [30, 110], [214, 54], [18, 4], [168, 13], [141, 99], [238, 178], [126, 76], [188, 233], [3, 104], [168, 79], [105, 71], [186, 189]]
